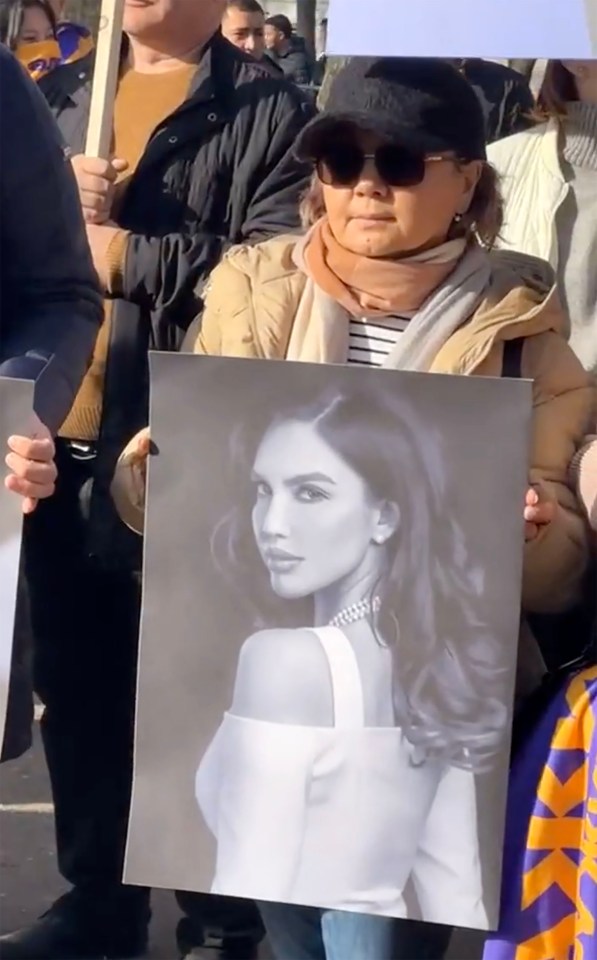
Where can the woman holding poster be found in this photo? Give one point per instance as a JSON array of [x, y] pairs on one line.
[[396, 270]]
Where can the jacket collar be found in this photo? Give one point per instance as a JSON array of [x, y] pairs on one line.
[[521, 301], [214, 72]]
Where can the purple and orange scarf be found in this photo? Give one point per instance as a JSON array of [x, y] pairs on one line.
[[549, 887]]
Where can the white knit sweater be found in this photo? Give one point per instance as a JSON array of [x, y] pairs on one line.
[[576, 225]]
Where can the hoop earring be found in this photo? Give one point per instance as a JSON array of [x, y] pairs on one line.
[[396, 626]]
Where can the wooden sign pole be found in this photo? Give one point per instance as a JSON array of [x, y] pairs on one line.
[[105, 79]]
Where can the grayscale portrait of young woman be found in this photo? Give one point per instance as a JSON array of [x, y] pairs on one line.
[[347, 667]]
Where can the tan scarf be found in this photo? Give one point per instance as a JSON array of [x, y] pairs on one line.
[[369, 286], [320, 330]]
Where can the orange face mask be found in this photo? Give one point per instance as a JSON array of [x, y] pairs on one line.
[[39, 58]]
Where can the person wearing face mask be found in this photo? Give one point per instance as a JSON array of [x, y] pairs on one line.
[[396, 268], [28, 29], [549, 180]]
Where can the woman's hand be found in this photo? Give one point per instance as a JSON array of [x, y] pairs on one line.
[[32, 469], [130, 481], [539, 511], [136, 455]]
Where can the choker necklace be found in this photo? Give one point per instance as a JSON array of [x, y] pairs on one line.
[[361, 610]]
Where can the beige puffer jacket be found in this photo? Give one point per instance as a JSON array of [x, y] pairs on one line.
[[250, 304]]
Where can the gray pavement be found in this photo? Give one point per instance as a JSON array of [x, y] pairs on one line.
[[29, 878]]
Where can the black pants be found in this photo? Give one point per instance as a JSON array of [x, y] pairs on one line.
[[85, 623]]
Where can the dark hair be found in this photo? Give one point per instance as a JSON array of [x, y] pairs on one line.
[[12, 14], [450, 677], [281, 23], [245, 6], [557, 90]]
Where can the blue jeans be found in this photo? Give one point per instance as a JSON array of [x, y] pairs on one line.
[[305, 933]]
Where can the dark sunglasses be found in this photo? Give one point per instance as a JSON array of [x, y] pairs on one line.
[[342, 164]]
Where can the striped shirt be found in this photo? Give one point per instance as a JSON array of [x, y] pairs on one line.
[[371, 341]]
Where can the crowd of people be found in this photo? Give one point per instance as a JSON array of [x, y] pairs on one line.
[[429, 216]]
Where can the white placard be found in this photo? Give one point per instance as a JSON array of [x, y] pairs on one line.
[[492, 29]]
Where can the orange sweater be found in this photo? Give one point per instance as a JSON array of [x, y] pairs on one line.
[[142, 102]]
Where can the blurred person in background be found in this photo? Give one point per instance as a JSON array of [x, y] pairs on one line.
[[202, 152], [76, 41], [243, 24], [505, 96], [322, 38], [322, 59], [28, 29], [287, 50], [549, 181]]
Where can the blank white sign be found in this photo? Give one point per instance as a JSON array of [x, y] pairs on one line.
[[492, 29]]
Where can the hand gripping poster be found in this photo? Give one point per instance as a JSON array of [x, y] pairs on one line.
[[16, 399], [329, 636]]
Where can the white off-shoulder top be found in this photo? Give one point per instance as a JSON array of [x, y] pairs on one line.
[[340, 817]]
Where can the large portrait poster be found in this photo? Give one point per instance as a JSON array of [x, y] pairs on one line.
[[492, 29], [329, 636], [16, 405]]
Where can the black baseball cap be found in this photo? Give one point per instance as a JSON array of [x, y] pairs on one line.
[[423, 104]]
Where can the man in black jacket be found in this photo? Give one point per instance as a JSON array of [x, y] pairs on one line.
[[50, 311], [287, 50], [203, 138]]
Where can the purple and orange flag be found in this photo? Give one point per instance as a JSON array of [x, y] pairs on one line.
[[549, 884]]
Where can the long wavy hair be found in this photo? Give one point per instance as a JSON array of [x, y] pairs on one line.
[[450, 676]]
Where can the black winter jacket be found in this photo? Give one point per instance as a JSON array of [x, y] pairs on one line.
[[50, 302], [295, 64], [219, 171]]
